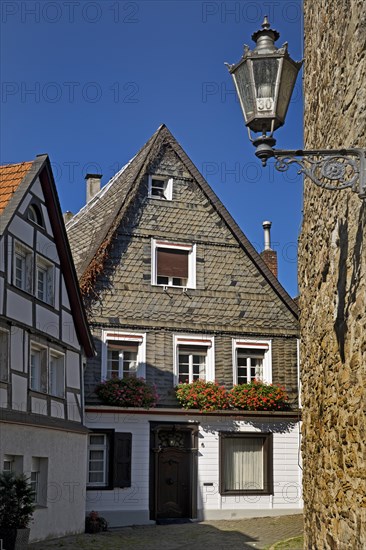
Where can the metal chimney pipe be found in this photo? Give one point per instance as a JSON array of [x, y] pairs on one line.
[[267, 234]]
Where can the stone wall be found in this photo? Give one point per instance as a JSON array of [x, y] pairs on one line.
[[332, 280]]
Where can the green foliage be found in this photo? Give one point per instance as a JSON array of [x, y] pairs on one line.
[[127, 392], [16, 501], [206, 396], [210, 396], [258, 396]]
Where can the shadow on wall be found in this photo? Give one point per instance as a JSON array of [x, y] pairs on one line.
[[347, 297]]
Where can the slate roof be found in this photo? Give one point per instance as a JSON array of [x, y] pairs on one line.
[[91, 230], [11, 176]]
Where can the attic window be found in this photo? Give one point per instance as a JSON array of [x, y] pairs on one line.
[[161, 187], [35, 215], [173, 264]]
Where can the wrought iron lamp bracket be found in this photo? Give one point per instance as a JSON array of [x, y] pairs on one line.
[[332, 169]]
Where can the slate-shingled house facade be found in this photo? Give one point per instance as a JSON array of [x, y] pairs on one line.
[[175, 291], [44, 338]]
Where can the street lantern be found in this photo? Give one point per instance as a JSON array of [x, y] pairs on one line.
[[264, 79]]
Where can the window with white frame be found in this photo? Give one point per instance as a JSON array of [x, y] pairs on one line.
[[123, 355], [4, 355], [56, 373], [194, 358], [173, 264], [46, 370], [161, 187], [246, 463], [109, 459], [38, 480], [38, 368], [251, 361], [98, 459], [45, 280], [23, 267]]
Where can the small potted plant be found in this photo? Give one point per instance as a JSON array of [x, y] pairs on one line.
[[16, 510], [94, 523]]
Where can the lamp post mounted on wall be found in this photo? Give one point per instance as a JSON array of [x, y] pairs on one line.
[[264, 79]]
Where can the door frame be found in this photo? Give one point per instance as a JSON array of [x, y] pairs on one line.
[[192, 429]]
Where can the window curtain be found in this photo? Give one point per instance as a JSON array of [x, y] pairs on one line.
[[243, 465]]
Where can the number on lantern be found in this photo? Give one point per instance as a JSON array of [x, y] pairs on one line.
[[265, 104]]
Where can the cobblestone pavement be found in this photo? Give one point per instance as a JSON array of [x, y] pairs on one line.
[[219, 535]]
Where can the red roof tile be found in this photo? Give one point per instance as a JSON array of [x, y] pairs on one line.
[[11, 175]]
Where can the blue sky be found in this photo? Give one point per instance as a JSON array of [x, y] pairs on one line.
[[88, 82]]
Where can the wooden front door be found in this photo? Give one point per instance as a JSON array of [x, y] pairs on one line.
[[174, 483], [173, 470]]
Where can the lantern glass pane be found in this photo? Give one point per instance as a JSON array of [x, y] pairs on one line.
[[265, 77], [244, 84], [288, 79]]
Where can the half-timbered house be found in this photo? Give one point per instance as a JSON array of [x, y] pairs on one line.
[[44, 338]]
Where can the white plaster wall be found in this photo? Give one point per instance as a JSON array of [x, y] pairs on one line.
[[2, 257], [22, 229], [19, 308], [3, 397], [24, 204], [19, 392], [47, 248], [66, 453], [46, 218], [73, 410], [47, 321], [37, 189], [16, 349], [65, 296], [72, 370], [1, 295], [68, 330]]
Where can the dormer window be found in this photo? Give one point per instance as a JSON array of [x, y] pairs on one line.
[[35, 215], [161, 187]]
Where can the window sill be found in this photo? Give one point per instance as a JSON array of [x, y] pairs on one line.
[[246, 493]]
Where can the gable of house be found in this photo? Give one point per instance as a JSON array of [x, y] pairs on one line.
[[214, 282]]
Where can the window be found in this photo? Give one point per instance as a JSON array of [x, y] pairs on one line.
[[194, 358], [161, 187], [38, 480], [56, 374], [97, 459], [192, 364], [123, 354], [47, 370], [109, 459], [45, 280], [23, 267], [4, 355], [173, 264], [121, 359], [35, 215], [13, 463], [252, 360], [246, 463], [38, 368]]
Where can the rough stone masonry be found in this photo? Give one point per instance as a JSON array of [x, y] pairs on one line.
[[332, 279]]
